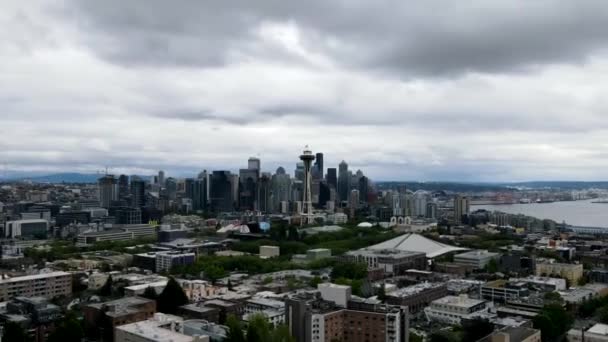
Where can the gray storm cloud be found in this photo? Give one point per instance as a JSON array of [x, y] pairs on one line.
[[434, 90]]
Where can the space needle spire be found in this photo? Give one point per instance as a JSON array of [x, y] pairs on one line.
[[306, 214]]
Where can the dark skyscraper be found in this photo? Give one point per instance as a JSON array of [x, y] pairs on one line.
[[344, 180], [171, 186], [138, 192], [108, 190], [123, 187], [324, 193], [264, 190], [248, 188], [332, 177], [199, 194], [318, 170], [220, 191], [363, 189], [189, 187]]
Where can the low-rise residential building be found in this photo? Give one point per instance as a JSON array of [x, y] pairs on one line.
[[103, 318], [391, 261], [476, 259], [310, 319], [502, 291], [269, 251], [513, 334], [572, 272], [159, 328], [543, 283], [597, 333], [167, 260], [36, 314], [46, 285], [452, 309], [418, 296]]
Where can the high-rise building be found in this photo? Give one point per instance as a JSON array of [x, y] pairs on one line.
[[324, 194], [123, 187], [299, 172], [199, 194], [431, 210], [461, 208], [189, 187], [353, 199], [332, 178], [108, 191], [254, 164], [306, 215], [171, 186], [248, 189], [220, 192], [161, 178], [344, 179], [264, 191], [138, 192], [318, 170], [281, 188], [363, 189]]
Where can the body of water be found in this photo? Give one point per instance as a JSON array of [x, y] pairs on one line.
[[577, 213]]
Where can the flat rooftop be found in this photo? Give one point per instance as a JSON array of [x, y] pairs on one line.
[[462, 301], [476, 255], [34, 277], [414, 289], [154, 330]]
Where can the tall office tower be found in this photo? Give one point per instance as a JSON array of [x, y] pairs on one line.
[[189, 188], [421, 198], [108, 190], [344, 179], [353, 199], [161, 178], [248, 188], [264, 204], [220, 192], [299, 173], [281, 188], [363, 189], [461, 208], [431, 210], [204, 175], [138, 192], [306, 214], [123, 187], [254, 163], [324, 194], [332, 178], [234, 185], [171, 186], [199, 194], [318, 170]]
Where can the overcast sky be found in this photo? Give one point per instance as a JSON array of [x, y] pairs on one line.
[[404, 90]]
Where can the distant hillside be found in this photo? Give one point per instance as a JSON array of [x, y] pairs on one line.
[[566, 185], [68, 177]]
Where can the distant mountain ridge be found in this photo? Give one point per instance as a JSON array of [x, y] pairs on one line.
[[65, 177]]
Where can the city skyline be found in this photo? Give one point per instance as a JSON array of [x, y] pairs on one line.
[[440, 91]]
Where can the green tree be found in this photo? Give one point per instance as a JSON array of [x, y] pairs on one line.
[[68, 330], [150, 293], [475, 329], [382, 293], [172, 297], [14, 332], [553, 296], [106, 289], [258, 329], [603, 314], [492, 267], [214, 272], [415, 338], [313, 282], [349, 270], [235, 330], [281, 334], [553, 321]]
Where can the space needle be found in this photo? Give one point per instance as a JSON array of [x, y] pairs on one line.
[[306, 214]]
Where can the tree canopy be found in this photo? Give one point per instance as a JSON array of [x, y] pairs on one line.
[[171, 298]]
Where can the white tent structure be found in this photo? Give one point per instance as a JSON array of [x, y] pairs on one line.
[[417, 243]]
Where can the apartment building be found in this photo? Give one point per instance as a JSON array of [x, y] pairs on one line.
[[46, 285]]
